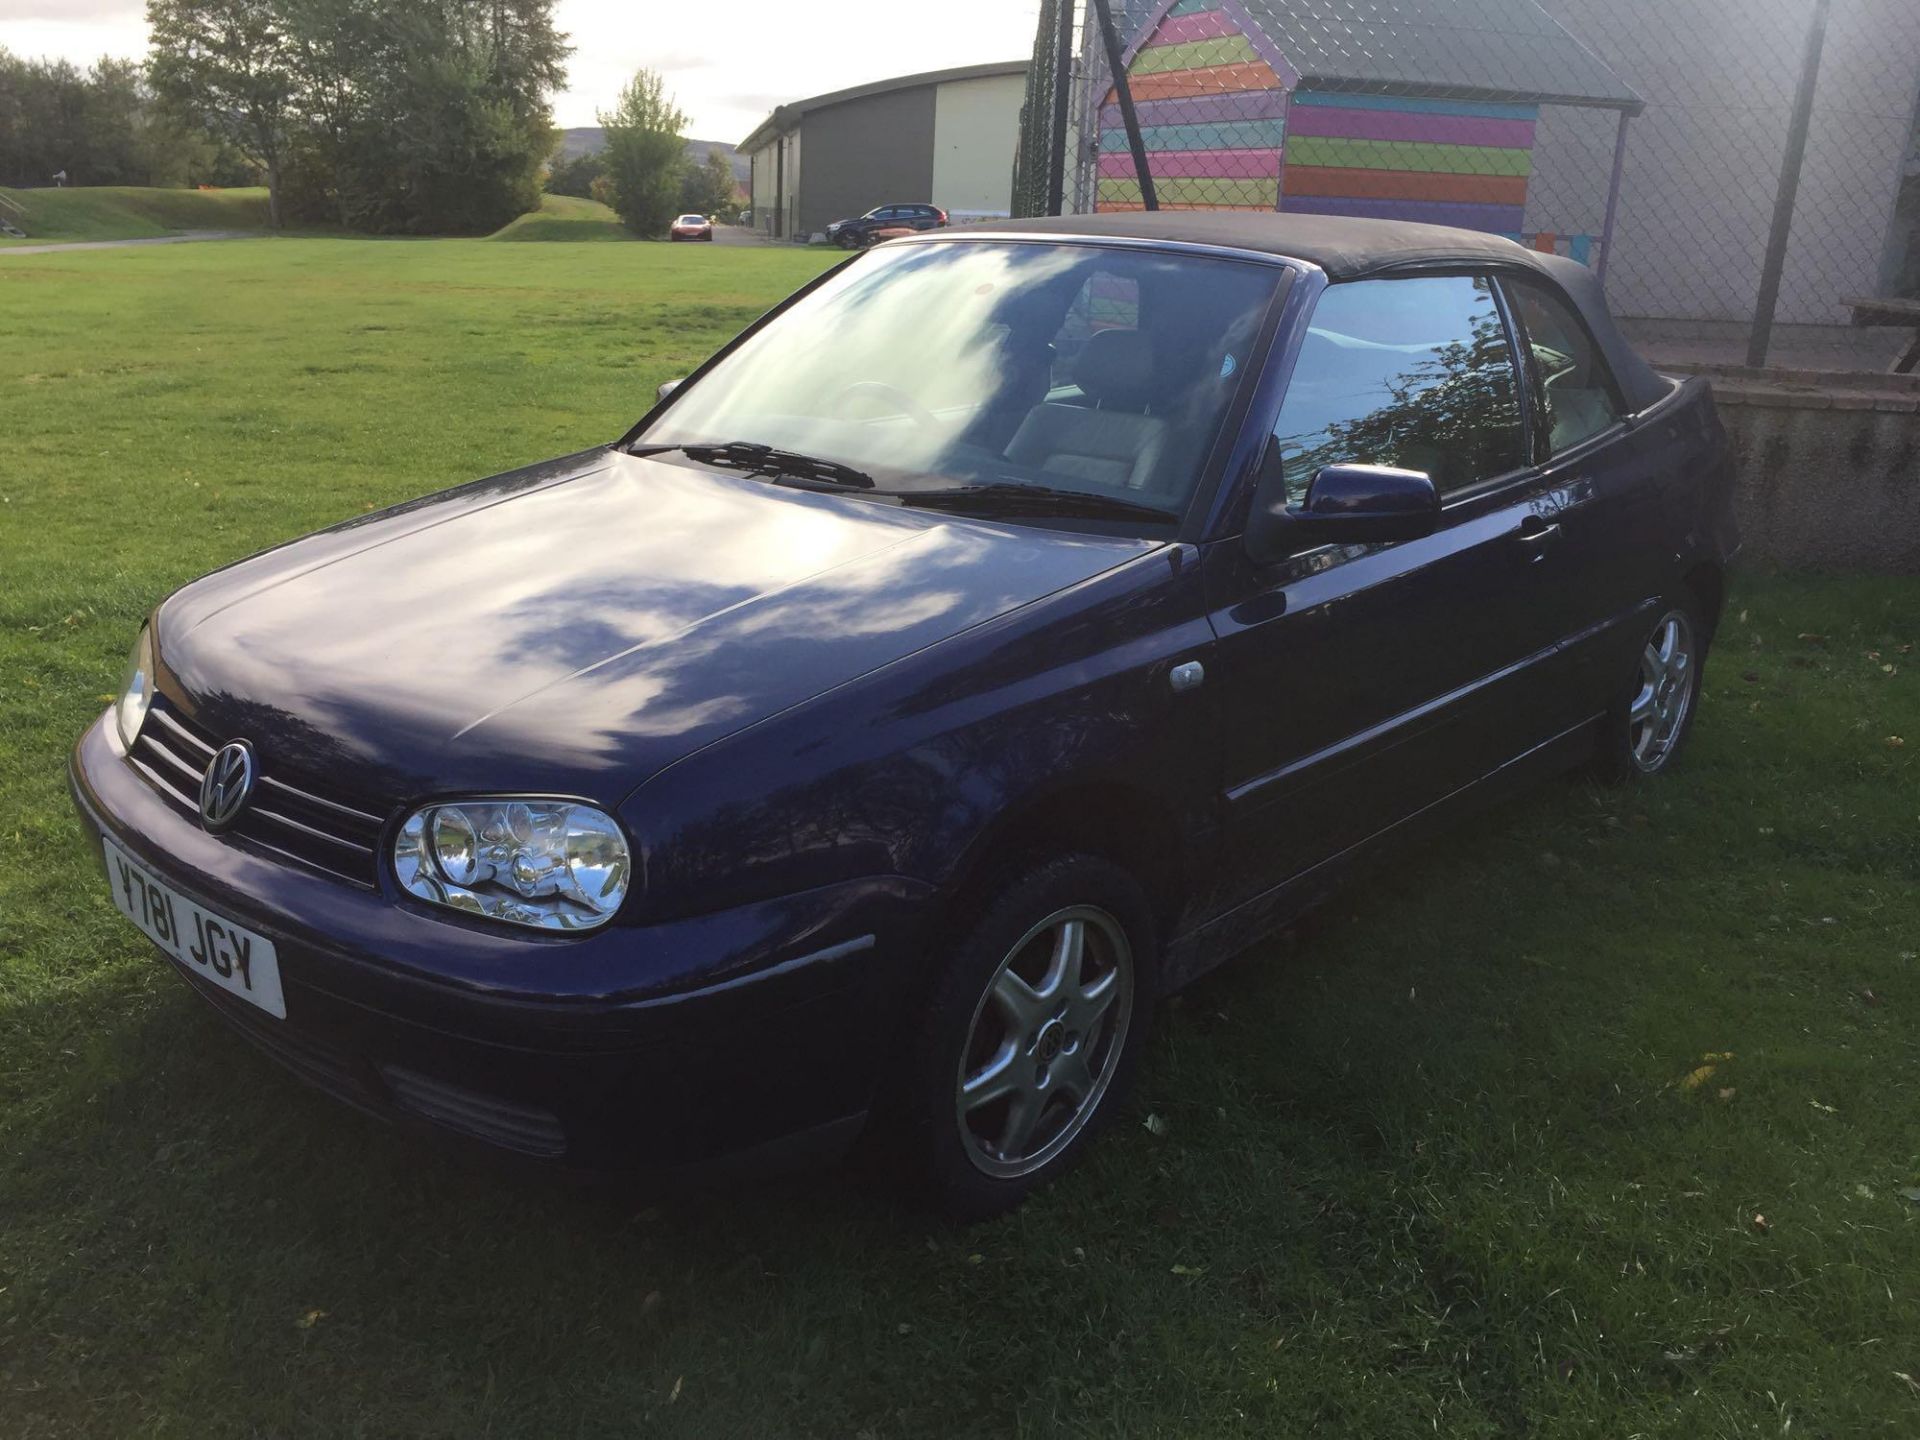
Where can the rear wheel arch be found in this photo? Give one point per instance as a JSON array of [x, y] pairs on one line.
[[1706, 584]]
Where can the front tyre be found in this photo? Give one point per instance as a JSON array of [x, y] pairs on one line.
[[1654, 714], [1031, 1035]]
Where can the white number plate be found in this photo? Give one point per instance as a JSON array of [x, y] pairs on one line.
[[211, 946]]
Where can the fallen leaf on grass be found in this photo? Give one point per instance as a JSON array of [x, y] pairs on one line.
[[310, 1319], [1912, 1193], [1869, 997], [1894, 742], [1156, 1125], [1713, 1055], [1694, 1079], [1761, 1223], [674, 1395], [1807, 638], [1823, 1109], [1725, 1093], [1188, 1270]]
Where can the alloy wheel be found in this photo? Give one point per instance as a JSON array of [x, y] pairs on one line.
[[1665, 697], [1045, 1040]]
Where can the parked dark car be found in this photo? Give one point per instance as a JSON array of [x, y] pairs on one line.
[[691, 227], [853, 234], [991, 639]]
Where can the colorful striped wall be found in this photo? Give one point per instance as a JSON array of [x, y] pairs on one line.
[[1222, 133], [1212, 113], [1446, 162]]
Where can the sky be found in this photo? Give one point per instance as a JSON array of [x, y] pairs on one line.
[[728, 63]]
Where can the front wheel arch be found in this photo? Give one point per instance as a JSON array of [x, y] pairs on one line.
[[1123, 824]]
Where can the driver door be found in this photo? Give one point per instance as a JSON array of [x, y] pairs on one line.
[[1365, 683]]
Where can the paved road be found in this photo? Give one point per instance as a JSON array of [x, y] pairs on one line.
[[181, 239], [737, 235]]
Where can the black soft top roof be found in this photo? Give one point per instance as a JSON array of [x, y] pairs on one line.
[[1353, 249]]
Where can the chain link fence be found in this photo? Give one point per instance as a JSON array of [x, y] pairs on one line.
[[1745, 173]]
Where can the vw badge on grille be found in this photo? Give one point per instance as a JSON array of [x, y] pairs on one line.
[[226, 786]]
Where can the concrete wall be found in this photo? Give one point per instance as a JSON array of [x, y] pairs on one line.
[[976, 127], [776, 181], [1703, 161], [1827, 474], [862, 153]]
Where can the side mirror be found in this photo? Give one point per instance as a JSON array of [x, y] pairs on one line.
[[1345, 505], [667, 389]]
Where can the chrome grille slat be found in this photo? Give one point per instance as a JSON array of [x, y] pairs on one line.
[[193, 772], [293, 824], [157, 713], [157, 780], [323, 802]]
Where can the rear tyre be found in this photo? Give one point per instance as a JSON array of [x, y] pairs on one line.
[[848, 240], [1030, 1038], [1653, 716]]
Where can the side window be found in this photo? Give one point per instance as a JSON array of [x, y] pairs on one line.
[[1577, 391], [1416, 374]]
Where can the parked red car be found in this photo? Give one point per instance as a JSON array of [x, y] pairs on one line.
[[691, 227]]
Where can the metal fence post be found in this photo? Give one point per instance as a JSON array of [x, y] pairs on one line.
[[1613, 195], [1123, 91], [1062, 83], [1796, 153]]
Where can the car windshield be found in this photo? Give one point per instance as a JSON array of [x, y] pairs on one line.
[[693, 220], [1058, 366]]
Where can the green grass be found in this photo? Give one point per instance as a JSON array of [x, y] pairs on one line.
[[1430, 1170], [566, 217], [126, 212]]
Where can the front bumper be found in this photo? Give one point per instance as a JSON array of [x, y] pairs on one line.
[[739, 1036]]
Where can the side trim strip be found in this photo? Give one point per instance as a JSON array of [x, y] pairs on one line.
[[754, 977]]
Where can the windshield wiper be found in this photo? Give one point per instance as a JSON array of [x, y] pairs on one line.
[[1010, 499], [766, 460]]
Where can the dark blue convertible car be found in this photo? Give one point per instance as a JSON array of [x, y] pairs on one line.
[[1004, 630]]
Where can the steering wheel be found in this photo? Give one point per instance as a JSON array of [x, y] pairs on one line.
[[903, 403]]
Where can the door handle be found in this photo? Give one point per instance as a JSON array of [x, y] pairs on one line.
[[1535, 540]]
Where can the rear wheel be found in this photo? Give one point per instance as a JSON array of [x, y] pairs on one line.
[[1030, 1037], [1654, 715]]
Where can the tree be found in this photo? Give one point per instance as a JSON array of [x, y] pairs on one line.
[[229, 62], [708, 188], [103, 127], [576, 176], [645, 154]]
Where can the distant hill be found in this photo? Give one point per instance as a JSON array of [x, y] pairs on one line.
[[583, 139]]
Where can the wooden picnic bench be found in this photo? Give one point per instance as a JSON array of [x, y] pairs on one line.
[[1888, 311]]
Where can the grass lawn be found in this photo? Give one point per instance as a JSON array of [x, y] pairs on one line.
[[566, 217], [1451, 1164], [128, 212]]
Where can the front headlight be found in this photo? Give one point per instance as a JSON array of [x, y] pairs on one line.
[[551, 864], [136, 691]]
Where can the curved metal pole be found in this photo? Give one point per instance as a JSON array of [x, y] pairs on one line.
[[1123, 91]]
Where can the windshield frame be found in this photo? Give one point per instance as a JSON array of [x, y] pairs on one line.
[[1193, 516]]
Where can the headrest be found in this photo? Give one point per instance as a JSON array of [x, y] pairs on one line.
[[1116, 368]]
